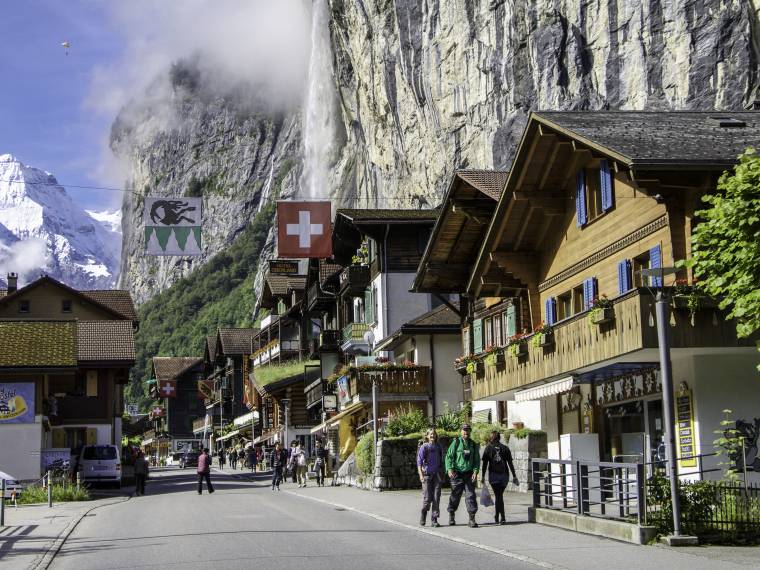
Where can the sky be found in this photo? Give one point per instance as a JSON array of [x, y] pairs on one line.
[[47, 119]]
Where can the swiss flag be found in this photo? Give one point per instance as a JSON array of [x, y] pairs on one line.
[[168, 388], [304, 229]]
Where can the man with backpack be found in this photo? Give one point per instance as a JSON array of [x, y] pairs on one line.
[[496, 459], [463, 464], [277, 460], [430, 469]]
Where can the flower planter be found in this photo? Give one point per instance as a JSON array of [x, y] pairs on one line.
[[518, 350], [602, 315], [461, 368], [681, 302], [547, 339], [499, 358]]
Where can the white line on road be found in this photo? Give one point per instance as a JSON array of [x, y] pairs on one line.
[[507, 553]]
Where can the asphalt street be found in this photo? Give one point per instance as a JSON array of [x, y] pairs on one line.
[[245, 525]]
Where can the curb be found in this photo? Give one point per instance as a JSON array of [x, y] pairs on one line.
[[47, 558], [424, 530]]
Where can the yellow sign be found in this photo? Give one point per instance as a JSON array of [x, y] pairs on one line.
[[685, 429]]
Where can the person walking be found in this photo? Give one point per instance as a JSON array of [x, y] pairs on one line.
[[222, 458], [252, 459], [463, 464], [233, 458], [299, 463], [430, 469], [204, 471], [260, 458], [241, 458], [291, 466], [277, 460], [141, 473], [321, 456], [496, 458]]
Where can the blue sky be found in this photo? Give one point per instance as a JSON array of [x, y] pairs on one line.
[[45, 119]]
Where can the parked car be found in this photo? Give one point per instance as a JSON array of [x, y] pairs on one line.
[[100, 463], [173, 458], [189, 459], [12, 486]]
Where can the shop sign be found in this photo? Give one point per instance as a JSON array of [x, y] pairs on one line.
[[629, 387], [283, 267], [187, 444], [329, 402], [17, 403], [685, 427]]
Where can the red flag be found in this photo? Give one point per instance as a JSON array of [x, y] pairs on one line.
[[167, 388], [304, 229]]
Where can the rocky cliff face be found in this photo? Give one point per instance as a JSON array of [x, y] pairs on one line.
[[423, 87], [427, 86]]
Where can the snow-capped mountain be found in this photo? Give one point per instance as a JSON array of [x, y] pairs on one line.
[[42, 230]]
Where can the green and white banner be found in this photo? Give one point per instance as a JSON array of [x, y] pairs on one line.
[[173, 226]]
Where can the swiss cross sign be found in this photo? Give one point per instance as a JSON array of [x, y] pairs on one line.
[[168, 388], [304, 229]]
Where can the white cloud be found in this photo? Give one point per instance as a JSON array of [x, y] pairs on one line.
[[28, 258]]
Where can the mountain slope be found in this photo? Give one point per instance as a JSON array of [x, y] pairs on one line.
[[43, 230]]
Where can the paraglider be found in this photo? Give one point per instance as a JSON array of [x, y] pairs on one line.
[[66, 45]]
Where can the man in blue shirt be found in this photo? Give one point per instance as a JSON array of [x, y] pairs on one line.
[[430, 469]]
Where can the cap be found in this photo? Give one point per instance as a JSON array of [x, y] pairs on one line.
[[467, 427]]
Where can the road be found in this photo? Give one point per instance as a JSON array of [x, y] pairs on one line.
[[244, 524]]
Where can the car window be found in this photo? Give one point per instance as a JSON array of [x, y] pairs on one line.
[[99, 453]]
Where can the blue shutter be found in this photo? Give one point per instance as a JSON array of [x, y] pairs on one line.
[[590, 292], [625, 280], [628, 275], [655, 261], [580, 198], [605, 179], [477, 335], [549, 320]]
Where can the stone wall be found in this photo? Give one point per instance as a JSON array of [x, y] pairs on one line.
[[523, 450]]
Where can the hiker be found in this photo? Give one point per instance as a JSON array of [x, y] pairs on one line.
[[430, 469], [291, 466], [277, 460], [204, 471], [462, 464], [252, 459], [141, 473], [299, 462], [496, 458], [233, 458], [320, 463], [222, 458]]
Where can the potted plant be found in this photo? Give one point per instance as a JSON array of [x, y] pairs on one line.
[[493, 355], [602, 311], [517, 346], [686, 296], [543, 336]]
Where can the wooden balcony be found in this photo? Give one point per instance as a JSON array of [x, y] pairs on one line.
[[274, 350], [353, 338], [354, 279], [401, 385], [198, 425], [329, 340], [579, 344], [317, 299]]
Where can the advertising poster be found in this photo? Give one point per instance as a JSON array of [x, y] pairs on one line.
[[17, 403]]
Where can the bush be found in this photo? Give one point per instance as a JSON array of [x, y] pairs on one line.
[[452, 420], [61, 493], [481, 432], [365, 454], [420, 435], [406, 420]]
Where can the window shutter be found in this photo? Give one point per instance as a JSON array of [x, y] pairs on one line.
[[551, 310], [580, 198], [625, 279], [369, 306], [477, 335], [605, 179], [590, 292], [511, 322], [655, 260]]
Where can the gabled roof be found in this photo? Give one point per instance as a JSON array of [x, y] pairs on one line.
[[211, 348], [105, 341], [441, 320], [281, 285], [117, 302], [383, 216], [236, 341], [489, 182], [657, 138], [172, 367], [38, 344], [327, 269]]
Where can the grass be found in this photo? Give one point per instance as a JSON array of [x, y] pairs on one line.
[[265, 375], [61, 493]]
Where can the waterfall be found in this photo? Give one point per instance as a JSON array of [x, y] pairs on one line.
[[319, 120]]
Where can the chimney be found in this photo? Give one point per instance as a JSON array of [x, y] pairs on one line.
[[12, 282]]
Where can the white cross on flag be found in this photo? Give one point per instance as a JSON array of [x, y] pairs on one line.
[[304, 229], [168, 389]]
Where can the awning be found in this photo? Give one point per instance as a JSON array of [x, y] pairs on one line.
[[147, 441], [353, 408], [246, 419], [233, 433], [266, 436], [545, 390]]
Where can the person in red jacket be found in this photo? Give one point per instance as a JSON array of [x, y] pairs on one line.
[[204, 471]]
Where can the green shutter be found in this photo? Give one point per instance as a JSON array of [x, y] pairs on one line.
[[511, 321], [477, 335], [369, 307]]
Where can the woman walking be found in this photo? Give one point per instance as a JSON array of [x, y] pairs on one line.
[[277, 460], [222, 458], [496, 458], [320, 463], [430, 469], [299, 462], [233, 458]]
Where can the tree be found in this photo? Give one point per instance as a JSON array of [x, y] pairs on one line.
[[726, 244]]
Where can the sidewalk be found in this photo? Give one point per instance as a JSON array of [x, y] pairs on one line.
[[542, 545], [34, 533]]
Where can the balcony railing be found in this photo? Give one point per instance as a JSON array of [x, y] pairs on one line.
[[329, 339], [273, 350], [579, 343], [354, 279], [319, 299], [412, 382], [354, 332]]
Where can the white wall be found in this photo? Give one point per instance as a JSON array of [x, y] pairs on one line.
[[528, 413], [402, 305], [20, 447], [448, 382]]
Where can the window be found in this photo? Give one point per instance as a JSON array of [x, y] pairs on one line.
[[565, 306], [594, 193], [578, 299], [640, 262], [498, 338], [66, 306], [487, 331], [23, 306]]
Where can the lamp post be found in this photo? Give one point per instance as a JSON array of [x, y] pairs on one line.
[[661, 313]]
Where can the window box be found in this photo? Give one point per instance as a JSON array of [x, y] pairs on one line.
[[602, 315], [546, 339], [518, 349]]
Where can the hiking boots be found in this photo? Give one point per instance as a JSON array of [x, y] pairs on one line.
[[423, 516], [472, 523], [434, 523], [452, 522]]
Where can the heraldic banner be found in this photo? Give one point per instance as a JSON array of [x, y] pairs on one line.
[[172, 226]]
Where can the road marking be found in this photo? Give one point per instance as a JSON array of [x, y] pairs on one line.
[[507, 553]]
